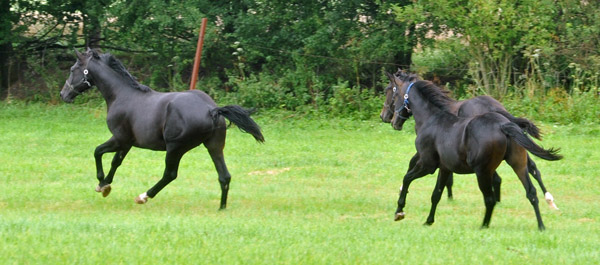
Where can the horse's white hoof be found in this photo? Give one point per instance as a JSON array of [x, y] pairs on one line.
[[550, 200], [104, 189], [142, 198]]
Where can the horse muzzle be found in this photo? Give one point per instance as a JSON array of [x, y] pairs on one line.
[[68, 94], [397, 126]]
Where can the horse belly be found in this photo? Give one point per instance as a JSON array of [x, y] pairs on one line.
[[147, 131], [455, 163], [150, 139]]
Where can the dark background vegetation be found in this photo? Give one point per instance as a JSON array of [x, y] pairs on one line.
[[540, 57]]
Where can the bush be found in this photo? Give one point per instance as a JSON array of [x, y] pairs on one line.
[[351, 102], [556, 106]]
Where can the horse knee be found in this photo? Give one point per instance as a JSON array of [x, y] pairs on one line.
[[224, 181], [489, 201], [116, 163], [532, 197], [170, 176]]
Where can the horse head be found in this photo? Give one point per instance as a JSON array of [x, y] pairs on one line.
[[79, 79], [401, 86]]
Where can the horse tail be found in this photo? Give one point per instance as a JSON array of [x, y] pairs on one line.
[[240, 117], [513, 131], [525, 124]]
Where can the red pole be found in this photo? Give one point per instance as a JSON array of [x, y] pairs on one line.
[[198, 55]]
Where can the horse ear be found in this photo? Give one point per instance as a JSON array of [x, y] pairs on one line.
[[93, 52], [390, 77], [80, 56]]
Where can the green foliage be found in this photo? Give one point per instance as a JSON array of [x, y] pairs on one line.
[[261, 92], [351, 102], [295, 54], [495, 31], [557, 107]]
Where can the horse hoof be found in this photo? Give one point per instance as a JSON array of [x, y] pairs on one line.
[[104, 189], [550, 200], [141, 199], [399, 216]]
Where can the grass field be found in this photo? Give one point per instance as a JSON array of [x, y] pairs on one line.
[[317, 192]]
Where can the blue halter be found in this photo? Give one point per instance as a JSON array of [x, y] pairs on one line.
[[406, 97]]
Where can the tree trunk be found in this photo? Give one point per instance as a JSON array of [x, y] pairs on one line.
[[5, 48]]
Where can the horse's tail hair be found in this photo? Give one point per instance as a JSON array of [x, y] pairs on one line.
[[525, 124], [240, 117], [515, 132]]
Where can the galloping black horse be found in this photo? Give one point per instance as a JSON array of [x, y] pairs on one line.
[[461, 145], [468, 108], [139, 116]]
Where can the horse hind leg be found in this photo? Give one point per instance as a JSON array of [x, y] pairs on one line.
[[496, 184], [485, 180], [449, 183], [532, 197], [172, 160], [215, 148], [535, 172], [520, 168]]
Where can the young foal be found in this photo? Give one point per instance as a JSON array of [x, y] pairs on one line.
[[462, 145], [469, 108], [139, 116]]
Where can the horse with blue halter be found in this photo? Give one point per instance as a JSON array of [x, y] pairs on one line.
[[461, 145], [174, 122], [468, 108]]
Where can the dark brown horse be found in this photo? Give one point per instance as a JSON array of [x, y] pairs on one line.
[[139, 116], [468, 108], [461, 145]]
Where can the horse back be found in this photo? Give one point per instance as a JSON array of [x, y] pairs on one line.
[[479, 105]]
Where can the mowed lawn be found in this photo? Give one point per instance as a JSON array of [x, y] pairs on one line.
[[318, 191]]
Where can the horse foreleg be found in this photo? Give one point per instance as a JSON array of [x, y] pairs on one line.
[[417, 170], [171, 167], [109, 146], [443, 178]]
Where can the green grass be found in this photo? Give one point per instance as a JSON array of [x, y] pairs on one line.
[[317, 192]]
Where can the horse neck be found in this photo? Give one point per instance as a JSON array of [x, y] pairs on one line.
[[110, 84], [423, 110]]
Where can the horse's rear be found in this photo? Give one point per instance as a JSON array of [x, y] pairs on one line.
[[495, 138], [188, 119]]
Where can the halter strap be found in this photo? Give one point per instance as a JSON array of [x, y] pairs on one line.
[[85, 78], [406, 102]]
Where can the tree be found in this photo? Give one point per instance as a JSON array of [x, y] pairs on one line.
[[495, 33], [6, 22]]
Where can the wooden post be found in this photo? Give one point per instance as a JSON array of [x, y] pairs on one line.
[[198, 55]]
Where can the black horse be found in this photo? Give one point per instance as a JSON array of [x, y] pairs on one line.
[[468, 108], [139, 116], [461, 145]]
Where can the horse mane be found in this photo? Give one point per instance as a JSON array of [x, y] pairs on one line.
[[118, 67], [435, 95], [405, 76]]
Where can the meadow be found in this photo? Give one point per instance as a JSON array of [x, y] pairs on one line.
[[318, 191]]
